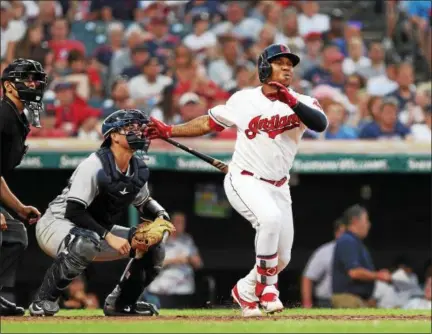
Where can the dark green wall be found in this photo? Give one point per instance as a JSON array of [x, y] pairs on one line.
[[399, 207]]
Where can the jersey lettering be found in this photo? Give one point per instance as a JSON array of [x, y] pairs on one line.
[[272, 126]]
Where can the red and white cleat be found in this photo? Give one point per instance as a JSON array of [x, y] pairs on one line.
[[270, 301], [249, 308]]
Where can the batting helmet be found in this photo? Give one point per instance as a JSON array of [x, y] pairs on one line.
[[271, 52], [122, 118]]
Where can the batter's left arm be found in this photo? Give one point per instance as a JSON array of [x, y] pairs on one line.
[[313, 118]]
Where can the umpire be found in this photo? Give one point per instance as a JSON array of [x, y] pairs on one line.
[[23, 83]]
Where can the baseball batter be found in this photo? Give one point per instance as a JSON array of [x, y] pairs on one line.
[[78, 226], [270, 121]]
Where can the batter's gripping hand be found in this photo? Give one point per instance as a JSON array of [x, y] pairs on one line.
[[157, 129], [150, 233], [282, 94]]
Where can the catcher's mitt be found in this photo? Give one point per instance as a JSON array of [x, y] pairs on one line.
[[150, 233]]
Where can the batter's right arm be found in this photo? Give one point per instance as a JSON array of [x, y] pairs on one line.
[[197, 127]]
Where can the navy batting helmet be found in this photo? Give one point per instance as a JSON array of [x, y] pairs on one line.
[[271, 52], [120, 119]]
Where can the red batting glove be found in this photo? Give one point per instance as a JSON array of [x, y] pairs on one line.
[[157, 129], [283, 94]]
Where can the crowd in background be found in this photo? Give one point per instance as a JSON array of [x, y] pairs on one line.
[[177, 59]]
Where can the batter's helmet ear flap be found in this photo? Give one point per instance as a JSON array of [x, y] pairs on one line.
[[264, 68]]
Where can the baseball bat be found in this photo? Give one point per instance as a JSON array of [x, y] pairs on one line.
[[223, 167]]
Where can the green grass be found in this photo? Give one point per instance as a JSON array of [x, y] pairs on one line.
[[200, 323]]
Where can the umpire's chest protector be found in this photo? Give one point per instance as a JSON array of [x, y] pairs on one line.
[[117, 191]]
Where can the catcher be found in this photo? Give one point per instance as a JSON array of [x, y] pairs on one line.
[[78, 226]]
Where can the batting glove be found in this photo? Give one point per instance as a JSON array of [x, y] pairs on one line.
[[158, 129], [283, 94]]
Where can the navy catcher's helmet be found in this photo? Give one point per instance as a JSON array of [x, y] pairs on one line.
[[120, 119], [271, 52]]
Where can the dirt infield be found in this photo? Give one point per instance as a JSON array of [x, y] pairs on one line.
[[219, 318]]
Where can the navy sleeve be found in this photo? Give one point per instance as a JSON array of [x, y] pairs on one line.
[[367, 132], [347, 254], [77, 214]]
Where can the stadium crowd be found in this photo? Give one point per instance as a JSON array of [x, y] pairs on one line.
[[177, 59]]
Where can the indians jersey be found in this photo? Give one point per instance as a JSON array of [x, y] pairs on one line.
[[268, 132]]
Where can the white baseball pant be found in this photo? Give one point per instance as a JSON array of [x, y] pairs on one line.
[[268, 208]]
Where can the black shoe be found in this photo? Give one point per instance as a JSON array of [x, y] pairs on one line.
[[43, 308], [10, 309], [140, 309]]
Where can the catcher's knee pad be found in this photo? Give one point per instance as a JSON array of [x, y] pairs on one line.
[[82, 247]]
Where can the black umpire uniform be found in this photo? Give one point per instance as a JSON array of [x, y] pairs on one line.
[[14, 128]]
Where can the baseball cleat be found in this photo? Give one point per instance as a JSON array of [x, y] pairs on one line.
[[270, 301], [43, 308], [140, 309], [249, 309], [9, 309]]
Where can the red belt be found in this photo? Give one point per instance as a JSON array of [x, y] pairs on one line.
[[275, 183]]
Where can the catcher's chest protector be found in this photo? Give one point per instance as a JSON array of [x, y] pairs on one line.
[[117, 191]]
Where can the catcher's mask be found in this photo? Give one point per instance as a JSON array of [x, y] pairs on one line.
[[128, 122], [271, 52], [30, 80]]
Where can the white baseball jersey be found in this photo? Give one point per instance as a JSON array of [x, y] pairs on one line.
[[83, 187], [268, 132]]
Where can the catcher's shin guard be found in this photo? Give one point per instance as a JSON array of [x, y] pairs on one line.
[[82, 247], [137, 276]]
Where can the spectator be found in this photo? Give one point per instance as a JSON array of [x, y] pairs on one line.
[[318, 272], [48, 129], [336, 129], [122, 58], [73, 115], [109, 10], [386, 125], [61, 45], [337, 77], [356, 60], [237, 24], [31, 46], [119, 98], [139, 55], [423, 303], [221, 71], [335, 35], [384, 84], [422, 131], [243, 78], [11, 30], [405, 93], [175, 285], [201, 40], [49, 11], [377, 66], [272, 13], [321, 73], [213, 8], [414, 113], [290, 32], [146, 89], [266, 38], [76, 296], [191, 107], [353, 269], [312, 57], [104, 53], [310, 20], [354, 84], [161, 42], [87, 78], [369, 110]]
